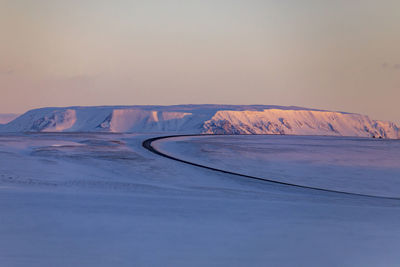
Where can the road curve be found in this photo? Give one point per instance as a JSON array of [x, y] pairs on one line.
[[147, 144]]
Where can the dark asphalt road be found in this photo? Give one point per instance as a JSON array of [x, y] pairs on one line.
[[147, 144]]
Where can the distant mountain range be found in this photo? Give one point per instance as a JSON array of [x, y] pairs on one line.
[[212, 119]]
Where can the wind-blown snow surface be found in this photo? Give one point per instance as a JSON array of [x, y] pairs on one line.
[[213, 119], [97, 199], [348, 164]]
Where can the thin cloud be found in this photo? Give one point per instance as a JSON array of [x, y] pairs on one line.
[[388, 66], [6, 72]]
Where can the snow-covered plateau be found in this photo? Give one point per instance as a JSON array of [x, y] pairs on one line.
[[101, 199], [211, 119]]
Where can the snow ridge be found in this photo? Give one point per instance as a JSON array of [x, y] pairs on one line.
[[211, 119]]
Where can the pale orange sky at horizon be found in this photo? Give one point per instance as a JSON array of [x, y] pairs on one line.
[[334, 55]]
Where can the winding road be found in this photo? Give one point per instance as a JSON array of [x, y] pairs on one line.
[[147, 144]]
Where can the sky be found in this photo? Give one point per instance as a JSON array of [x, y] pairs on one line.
[[337, 55]]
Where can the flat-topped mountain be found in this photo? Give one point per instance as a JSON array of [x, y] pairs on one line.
[[212, 119]]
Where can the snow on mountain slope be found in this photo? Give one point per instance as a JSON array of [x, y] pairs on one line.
[[103, 119], [213, 119], [299, 122], [136, 120], [45, 120]]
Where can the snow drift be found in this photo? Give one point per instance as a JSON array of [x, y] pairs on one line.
[[212, 119]]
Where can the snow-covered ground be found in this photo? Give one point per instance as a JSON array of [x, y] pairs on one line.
[[92, 199], [349, 164]]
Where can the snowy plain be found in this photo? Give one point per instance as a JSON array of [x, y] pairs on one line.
[[101, 199], [350, 164]]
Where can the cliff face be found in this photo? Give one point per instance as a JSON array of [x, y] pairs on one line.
[[212, 119], [299, 122]]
